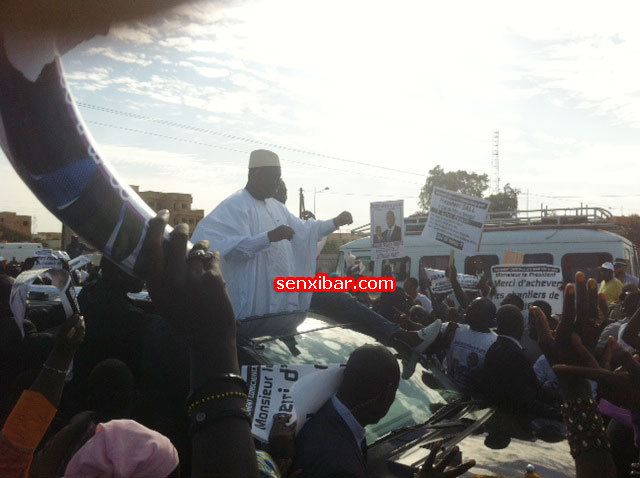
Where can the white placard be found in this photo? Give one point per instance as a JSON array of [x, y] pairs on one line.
[[387, 229], [531, 282], [59, 279], [456, 220], [298, 390], [440, 284]]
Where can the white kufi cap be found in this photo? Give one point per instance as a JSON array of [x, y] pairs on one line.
[[261, 158]]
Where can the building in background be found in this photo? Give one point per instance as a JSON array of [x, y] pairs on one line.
[[178, 204], [50, 240], [14, 227]]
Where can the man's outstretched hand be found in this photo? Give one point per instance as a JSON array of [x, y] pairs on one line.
[[343, 219], [431, 469], [190, 292]]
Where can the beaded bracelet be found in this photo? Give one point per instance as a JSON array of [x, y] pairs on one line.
[[585, 426], [210, 398]]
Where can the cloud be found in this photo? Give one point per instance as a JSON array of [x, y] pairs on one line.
[[124, 57], [208, 72], [138, 33]]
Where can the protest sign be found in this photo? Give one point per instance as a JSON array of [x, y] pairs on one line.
[[59, 278], [440, 283], [387, 229], [48, 259], [298, 390], [531, 282], [456, 220]]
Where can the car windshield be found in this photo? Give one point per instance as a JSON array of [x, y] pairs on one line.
[[415, 401]]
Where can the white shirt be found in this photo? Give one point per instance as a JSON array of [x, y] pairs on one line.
[[466, 353], [238, 229], [350, 420], [424, 302]]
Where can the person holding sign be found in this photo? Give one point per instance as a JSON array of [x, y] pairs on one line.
[[260, 240]]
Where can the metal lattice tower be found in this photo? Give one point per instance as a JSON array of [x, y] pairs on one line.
[[495, 163]]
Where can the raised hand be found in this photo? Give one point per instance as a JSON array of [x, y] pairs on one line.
[[281, 233], [70, 335], [431, 469], [282, 437], [579, 328], [190, 292], [343, 219]]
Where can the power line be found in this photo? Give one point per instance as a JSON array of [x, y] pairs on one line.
[[235, 137], [234, 150]]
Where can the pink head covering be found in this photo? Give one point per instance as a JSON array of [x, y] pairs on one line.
[[124, 449]]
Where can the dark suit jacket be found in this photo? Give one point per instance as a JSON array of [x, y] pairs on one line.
[[511, 382], [326, 448], [396, 234]]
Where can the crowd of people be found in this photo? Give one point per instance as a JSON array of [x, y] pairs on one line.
[[126, 391]]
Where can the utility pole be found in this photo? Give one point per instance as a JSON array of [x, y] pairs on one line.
[[301, 203], [495, 163]]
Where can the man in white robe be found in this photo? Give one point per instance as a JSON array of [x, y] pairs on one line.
[[259, 240]]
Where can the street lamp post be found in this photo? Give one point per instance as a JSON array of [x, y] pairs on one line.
[[315, 192]]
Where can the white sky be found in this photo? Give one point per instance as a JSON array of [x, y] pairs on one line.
[[404, 85]]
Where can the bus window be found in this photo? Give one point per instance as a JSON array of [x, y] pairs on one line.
[[486, 260], [587, 262], [434, 262], [539, 258], [398, 268], [368, 265]]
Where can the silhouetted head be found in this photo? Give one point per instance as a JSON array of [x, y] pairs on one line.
[[370, 382], [510, 321], [111, 390], [264, 174], [480, 314], [411, 286], [631, 303], [544, 306], [513, 299]]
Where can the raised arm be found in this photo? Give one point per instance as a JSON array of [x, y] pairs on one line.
[[30, 418], [191, 295], [457, 290], [573, 344]]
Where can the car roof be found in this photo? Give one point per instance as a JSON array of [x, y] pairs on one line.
[[272, 326]]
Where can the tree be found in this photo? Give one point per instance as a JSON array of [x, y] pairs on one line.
[[507, 200], [472, 184]]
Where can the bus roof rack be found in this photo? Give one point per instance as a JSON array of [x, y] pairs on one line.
[[588, 217]]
